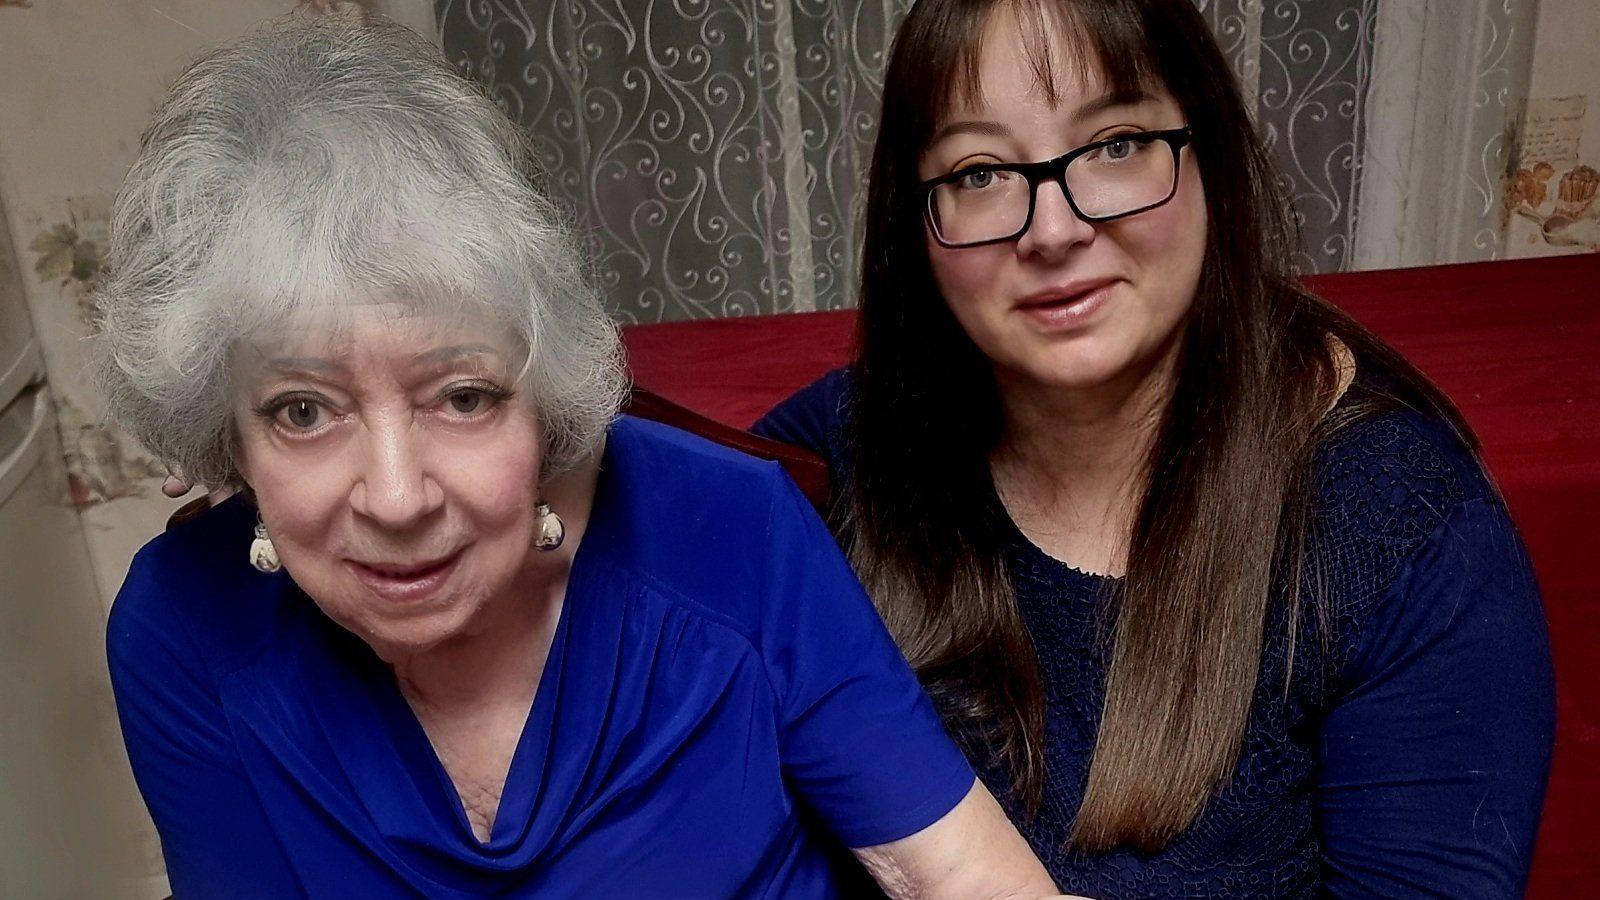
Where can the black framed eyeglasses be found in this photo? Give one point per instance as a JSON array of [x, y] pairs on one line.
[[1120, 176]]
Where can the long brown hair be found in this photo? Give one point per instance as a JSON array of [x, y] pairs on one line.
[[1225, 509]]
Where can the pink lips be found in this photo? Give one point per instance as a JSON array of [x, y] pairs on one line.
[[405, 583], [1067, 306]]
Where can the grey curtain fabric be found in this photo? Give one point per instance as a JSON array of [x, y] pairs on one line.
[[714, 152], [1443, 129], [1304, 65], [1392, 121]]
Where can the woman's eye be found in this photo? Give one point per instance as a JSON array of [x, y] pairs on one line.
[[1122, 149], [977, 181], [468, 402], [304, 415]]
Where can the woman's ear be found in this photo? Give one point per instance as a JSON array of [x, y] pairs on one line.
[[175, 486]]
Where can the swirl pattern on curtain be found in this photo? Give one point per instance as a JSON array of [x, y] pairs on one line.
[[1304, 64], [712, 152]]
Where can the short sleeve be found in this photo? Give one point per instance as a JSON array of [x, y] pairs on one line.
[[1434, 759], [214, 833], [858, 736]]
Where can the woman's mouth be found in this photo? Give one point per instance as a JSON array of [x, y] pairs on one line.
[[1068, 306], [405, 582]]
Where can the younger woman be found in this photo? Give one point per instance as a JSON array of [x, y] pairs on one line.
[[1208, 580]]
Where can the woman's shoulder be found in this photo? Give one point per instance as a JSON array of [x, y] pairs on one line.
[[686, 470], [699, 523], [1400, 500], [1397, 472], [193, 586], [813, 417], [1421, 579]]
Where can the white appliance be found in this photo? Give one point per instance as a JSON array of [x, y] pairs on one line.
[[71, 823]]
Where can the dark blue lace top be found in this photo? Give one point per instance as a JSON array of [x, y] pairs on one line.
[[1409, 753]]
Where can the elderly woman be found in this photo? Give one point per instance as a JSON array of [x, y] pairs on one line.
[[464, 631]]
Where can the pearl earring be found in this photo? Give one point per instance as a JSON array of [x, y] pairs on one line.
[[552, 531], [263, 555]]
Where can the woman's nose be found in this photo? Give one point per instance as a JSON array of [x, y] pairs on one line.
[[1055, 228], [394, 488]]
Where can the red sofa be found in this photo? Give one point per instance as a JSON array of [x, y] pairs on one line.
[[1516, 344]]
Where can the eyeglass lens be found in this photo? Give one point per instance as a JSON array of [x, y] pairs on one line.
[[1113, 180]]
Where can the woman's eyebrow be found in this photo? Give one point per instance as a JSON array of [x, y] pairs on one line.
[[441, 355], [312, 364], [1109, 100], [981, 128]]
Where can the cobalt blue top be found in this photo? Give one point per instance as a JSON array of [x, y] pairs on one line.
[[1408, 755], [720, 708]]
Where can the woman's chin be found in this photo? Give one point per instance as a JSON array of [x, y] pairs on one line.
[[395, 641], [399, 631], [1097, 360], [1082, 367]]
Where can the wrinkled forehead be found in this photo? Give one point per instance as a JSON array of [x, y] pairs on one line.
[[381, 336]]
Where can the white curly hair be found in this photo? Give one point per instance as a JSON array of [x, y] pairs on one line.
[[322, 158]]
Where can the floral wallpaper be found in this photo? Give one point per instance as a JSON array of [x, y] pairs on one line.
[[67, 252], [102, 463]]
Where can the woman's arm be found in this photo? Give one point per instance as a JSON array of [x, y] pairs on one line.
[[973, 853], [1435, 756], [860, 741]]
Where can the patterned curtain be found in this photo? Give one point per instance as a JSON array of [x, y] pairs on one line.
[[1303, 65], [1443, 115], [711, 150], [1392, 123], [714, 151]]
